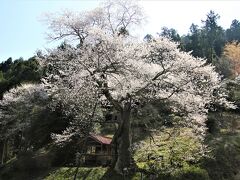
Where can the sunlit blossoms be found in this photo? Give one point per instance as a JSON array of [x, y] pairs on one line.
[[18, 106], [151, 70]]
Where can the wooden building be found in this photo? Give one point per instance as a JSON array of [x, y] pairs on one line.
[[98, 150]]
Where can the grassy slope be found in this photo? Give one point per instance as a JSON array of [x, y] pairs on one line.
[[83, 173], [95, 173]]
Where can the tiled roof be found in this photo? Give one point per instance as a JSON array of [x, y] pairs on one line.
[[101, 139]]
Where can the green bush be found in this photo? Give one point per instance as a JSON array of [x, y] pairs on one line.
[[30, 161], [171, 150]]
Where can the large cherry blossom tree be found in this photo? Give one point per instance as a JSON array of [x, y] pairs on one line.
[[110, 67]]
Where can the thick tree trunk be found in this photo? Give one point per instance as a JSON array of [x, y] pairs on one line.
[[121, 142]]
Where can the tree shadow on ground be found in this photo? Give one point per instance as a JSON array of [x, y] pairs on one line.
[[110, 174]]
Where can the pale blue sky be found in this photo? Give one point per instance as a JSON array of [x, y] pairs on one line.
[[21, 32]]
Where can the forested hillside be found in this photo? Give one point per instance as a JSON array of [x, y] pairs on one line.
[[13, 73], [169, 114]]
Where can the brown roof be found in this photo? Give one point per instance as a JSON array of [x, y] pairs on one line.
[[101, 139]]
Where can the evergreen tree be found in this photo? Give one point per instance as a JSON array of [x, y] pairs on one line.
[[233, 33], [213, 36]]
